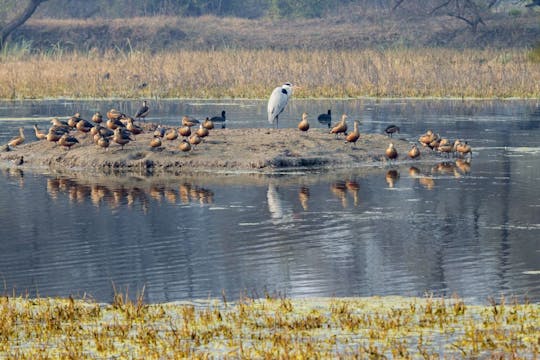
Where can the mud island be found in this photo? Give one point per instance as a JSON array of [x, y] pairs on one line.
[[253, 149]]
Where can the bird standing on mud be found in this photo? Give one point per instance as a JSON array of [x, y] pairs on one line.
[[277, 102], [17, 140], [391, 129], [143, 111], [304, 123], [341, 127]]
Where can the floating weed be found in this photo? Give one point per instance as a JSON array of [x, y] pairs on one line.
[[427, 328]]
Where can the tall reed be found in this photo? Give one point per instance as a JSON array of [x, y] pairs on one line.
[[253, 73]]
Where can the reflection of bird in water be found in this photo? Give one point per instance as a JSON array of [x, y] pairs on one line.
[[414, 172], [339, 189], [325, 118], [391, 129], [353, 188], [304, 123], [278, 212], [341, 126], [170, 195], [303, 196], [184, 190], [464, 166], [445, 168], [392, 176], [427, 182]]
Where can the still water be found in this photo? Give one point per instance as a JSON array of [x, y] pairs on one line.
[[465, 228]]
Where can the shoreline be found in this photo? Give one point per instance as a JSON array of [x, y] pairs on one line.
[[252, 150]]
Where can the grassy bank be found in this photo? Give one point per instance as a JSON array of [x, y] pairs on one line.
[[253, 73], [269, 328]]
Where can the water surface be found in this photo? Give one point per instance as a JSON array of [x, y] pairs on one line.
[[469, 227]]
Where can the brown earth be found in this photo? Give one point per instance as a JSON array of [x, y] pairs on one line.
[[224, 150]]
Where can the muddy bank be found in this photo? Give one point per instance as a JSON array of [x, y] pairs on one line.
[[224, 150]]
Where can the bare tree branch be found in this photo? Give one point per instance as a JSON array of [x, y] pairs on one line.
[[19, 20]]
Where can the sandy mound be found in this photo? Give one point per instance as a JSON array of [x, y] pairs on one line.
[[260, 150]]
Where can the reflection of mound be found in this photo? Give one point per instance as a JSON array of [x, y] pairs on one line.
[[118, 195]]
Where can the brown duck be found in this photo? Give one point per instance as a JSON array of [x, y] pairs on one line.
[[304, 123], [414, 152], [121, 137], [17, 140], [184, 131], [67, 141], [184, 145], [354, 135], [208, 124], [341, 126], [97, 117], [40, 135], [155, 142], [202, 132], [391, 152], [171, 134]]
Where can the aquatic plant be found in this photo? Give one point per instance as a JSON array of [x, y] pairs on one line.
[[268, 328]]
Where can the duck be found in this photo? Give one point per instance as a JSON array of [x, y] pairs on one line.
[[114, 123], [303, 125], [97, 117], [194, 139], [54, 135], [105, 131], [445, 147], [341, 126], [134, 129], [171, 134], [464, 166], [60, 125], [391, 152], [391, 129], [426, 138], [103, 142], [202, 132], [326, 118], [67, 140], [84, 126], [185, 145], [220, 119], [40, 135], [143, 111], [17, 140], [114, 114], [155, 142], [414, 152], [121, 137], [463, 148], [160, 131], [74, 120], [354, 135], [208, 124], [187, 121], [434, 145], [184, 131]]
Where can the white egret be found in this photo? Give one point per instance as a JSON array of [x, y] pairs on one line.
[[277, 102]]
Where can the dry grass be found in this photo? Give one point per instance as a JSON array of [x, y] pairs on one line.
[[253, 73], [271, 328]]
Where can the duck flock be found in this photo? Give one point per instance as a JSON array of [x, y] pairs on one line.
[[121, 129]]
